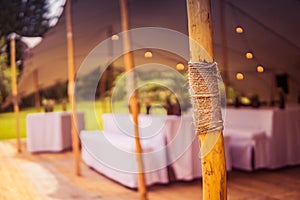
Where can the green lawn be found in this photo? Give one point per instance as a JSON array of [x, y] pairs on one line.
[[8, 121], [92, 113], [8, 124]]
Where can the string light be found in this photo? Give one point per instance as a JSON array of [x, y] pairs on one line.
[[249, 55], [239, 76], [239, 29], [180, 66], [148, 54], [260, 68], [114, 37]]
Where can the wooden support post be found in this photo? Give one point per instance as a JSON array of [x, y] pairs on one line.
[[102, 90], [104, 74], [14, 87], [133, 103], [213, 157], [71, 72], [36, 92]]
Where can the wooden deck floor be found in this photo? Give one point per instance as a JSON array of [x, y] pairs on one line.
[[51, 176]]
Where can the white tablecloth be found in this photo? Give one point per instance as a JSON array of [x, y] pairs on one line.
[[114, 156], [51, 131], [183, 148], [282, 129], [248, 148], [177, 135]]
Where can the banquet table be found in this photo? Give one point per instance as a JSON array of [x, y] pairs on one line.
[[170, 140], [51, 131], [280, 146], [113, 155], [183, 148]]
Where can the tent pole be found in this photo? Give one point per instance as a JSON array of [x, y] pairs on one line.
[[213, 160], [36, 92], [14, 87], [104, 74], [133, 102], [71, 72]]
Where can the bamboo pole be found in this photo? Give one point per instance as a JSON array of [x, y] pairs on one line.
[[104, 74], [102, 90], [36, 92], [14, 87], [212, 144], [71, 72], [133, 102]]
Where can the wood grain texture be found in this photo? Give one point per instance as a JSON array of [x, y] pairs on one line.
[[201, 49]]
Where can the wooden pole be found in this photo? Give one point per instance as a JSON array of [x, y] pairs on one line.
[[104, 74], [71, 72], [36, 92], [133, 102], [14, 87], [213, 160]]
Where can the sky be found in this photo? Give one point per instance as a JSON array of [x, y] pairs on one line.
[[55, 10]]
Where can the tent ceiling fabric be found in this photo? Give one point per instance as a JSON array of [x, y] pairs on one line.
[[271, 31]]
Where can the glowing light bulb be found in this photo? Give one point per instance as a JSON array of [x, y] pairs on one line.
[[239, 76], [114, 37], [148, 54], [260, 68], [239, 29], [180, 66], [249, 55]]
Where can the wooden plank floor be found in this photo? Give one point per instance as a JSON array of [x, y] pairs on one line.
[[51, 176]]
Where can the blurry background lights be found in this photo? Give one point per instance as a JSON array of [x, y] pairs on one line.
[[148, 54], [260, 68], [239, 29], [239, 76], [249, 55], [180, 66], [115, 37]]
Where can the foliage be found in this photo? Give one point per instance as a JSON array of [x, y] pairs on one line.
[[86, 85], [90, 83], [157, 86], [24, 17], [57, 92], [5, 76]]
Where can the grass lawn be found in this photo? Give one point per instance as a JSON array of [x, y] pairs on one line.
[[92, 113], [8, 124]]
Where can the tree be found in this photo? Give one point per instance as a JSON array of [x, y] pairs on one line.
[[4, 75], [26, 18]]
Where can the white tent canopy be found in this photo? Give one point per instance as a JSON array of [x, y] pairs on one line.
[[271, 32]]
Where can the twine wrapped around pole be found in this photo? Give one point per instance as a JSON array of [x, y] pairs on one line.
[[205, 97], [206, 101]]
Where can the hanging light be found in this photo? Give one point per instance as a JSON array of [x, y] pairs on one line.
[[180, 66], [148, 54], [239, 29], [260, 68], [249, 55], [239, 76], [114, 37]]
